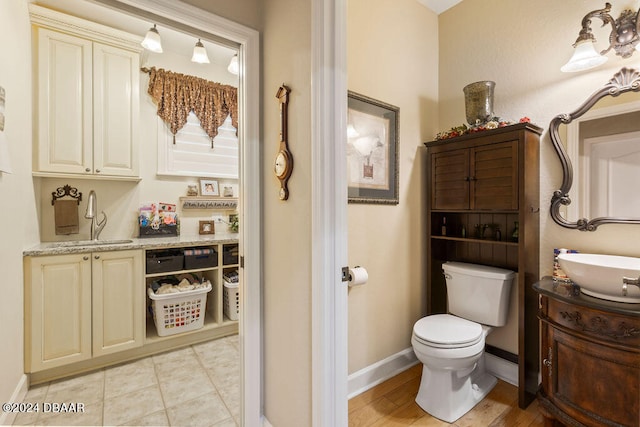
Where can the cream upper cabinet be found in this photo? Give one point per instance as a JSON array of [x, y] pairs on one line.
[[80, 306], [88, 96]]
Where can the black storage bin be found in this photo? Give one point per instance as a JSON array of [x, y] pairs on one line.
[[164, 260], [162, 231], [229, 254], [200, 258]]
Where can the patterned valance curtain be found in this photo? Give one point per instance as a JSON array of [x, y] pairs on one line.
[[177, 95]]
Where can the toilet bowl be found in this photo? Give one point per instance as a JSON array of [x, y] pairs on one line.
[[453, 376], [451, 346]]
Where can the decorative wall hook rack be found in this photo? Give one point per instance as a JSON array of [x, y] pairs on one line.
[[67, 190]]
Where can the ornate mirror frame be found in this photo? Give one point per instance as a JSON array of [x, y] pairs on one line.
[[625, 80]]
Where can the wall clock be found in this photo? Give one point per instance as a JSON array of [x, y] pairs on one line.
[[283, 165]]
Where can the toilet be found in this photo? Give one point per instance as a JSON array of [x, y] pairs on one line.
[[451, 346]]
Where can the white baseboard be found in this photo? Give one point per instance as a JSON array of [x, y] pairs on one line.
[[19, 393], [265, 422], [372, 375], [501, 368]]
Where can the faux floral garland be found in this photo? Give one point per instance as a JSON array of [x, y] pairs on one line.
[[492, 123]]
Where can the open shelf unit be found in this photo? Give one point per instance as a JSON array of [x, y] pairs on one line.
[[214, 319], [483, 182]]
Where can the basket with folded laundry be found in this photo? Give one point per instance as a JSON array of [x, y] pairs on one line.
[[178, 303]]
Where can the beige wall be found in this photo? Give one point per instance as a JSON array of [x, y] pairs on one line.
[[521, 45], [18, 214], [287, 232], [392, 55]]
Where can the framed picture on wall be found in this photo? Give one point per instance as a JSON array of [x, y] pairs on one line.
[[206, 227], [372, 150], [209, 187]]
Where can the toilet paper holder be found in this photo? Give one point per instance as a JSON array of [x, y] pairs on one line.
[[358, 279], [346, 276]]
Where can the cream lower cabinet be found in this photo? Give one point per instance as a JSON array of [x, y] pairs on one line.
[[118, 301], [81, 306]]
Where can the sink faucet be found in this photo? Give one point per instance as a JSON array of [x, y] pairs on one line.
[[92, 209], [626, 281]]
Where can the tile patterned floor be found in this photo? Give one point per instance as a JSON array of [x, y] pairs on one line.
[[194, 386]]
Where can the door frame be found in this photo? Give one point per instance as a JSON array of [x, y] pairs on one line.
[[247, 41], [329, 213]]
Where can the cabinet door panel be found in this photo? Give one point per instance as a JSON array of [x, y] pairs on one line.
[[494, 176], [118, 301], [116, 109], [64, 100], [60, 311], [450, 180], [584, 396]]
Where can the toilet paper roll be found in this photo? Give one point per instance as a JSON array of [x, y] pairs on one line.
[[358, 276]]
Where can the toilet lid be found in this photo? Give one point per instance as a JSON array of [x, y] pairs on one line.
[[447, 330]]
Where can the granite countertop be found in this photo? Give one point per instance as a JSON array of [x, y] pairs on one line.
[[59, 248], [570, 293]]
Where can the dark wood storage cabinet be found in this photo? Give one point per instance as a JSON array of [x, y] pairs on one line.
[[488, 178], [591, 359]]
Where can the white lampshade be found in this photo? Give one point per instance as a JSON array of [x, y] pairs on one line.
[[152, 40], [584, 58], [200, 54], [234, 67]]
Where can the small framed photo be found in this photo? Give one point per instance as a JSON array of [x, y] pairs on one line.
[[209, 187], [207, 227]]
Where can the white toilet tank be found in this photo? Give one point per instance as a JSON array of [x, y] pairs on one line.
[[478, 292]]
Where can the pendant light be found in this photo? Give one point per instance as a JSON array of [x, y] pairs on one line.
[[152, 40], [234, 67], [200, 54]]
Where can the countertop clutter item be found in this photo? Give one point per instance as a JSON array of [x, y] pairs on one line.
[[158, 220]]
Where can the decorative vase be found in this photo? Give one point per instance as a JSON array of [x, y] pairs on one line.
[[516, 231], [478, 101]]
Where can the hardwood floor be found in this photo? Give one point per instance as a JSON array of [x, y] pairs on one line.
[[392, 403]]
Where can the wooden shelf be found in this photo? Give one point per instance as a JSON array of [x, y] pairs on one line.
[[201, 202], [471, 240]]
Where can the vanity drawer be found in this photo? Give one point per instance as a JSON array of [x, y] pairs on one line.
[[617, 329]]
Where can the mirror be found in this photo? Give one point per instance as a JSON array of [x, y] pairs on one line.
[[600, 148]]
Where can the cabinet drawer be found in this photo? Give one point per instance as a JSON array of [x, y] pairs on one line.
[[594, 323]]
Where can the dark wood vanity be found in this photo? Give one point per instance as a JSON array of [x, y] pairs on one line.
[[590, 352]]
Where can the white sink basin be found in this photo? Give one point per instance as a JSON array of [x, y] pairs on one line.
[[76, 243], [602, 276]]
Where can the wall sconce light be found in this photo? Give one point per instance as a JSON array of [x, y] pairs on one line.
[[152, 40], [200, 53], [234, 67], [623, 39]]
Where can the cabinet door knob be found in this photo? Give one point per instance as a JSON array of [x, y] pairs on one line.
[[85, 258], [97, 256], [87, 170], [97, 170]]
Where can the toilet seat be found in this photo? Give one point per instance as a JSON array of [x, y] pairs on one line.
[[447, 331]]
